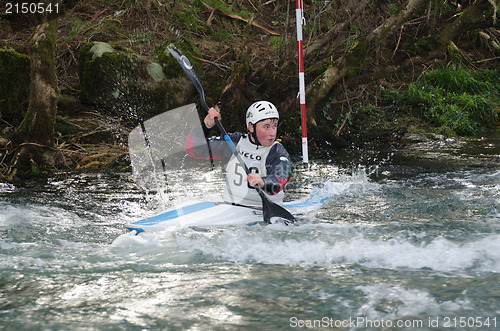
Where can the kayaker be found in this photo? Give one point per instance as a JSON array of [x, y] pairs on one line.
[[266, 158]]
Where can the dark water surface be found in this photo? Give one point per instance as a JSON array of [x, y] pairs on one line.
[[397, 247]]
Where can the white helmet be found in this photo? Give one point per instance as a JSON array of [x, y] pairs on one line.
[[261, 110]]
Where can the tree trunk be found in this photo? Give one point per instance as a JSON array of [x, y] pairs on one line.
[[365, 47], [35, 135], [473, 17]]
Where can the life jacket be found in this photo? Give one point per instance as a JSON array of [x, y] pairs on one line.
[[237, 190]]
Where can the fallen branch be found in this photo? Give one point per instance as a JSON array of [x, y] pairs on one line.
[[220, 66], [37, 145], [343, 122], [218, 11], [486, 60]]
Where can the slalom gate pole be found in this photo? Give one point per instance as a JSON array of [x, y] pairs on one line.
[[300, 20]]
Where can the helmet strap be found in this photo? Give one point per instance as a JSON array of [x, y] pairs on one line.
[[255, 139], [253, 136]]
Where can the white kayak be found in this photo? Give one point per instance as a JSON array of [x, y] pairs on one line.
[[218, 214]]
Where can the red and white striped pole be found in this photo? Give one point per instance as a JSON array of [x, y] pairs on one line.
[[299, 12]]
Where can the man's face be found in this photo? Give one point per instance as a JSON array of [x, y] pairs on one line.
[[265, 130]]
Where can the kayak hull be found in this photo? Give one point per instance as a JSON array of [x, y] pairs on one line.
[[219, 214], [202, 214]]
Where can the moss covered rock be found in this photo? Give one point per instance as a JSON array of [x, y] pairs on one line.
[[127, 84], [14, 85]]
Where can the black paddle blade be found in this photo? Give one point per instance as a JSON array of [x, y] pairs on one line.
[[180, 58], [274, 213], [188, 69]]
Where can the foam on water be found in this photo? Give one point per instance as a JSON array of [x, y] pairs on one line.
[[390, 303], [278, 245]]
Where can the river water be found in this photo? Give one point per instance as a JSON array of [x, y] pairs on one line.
[[397, 247]]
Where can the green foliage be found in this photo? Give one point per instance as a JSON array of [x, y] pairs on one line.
[[113, 27], [343, 118], [392, 8], [369, 110], [277, 42], [34, 171], [187, 16], [233, 9], [454, 100], [353, 39], [223, 34], [7, 47], [326, 111], [456, 80], [106, 26]]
